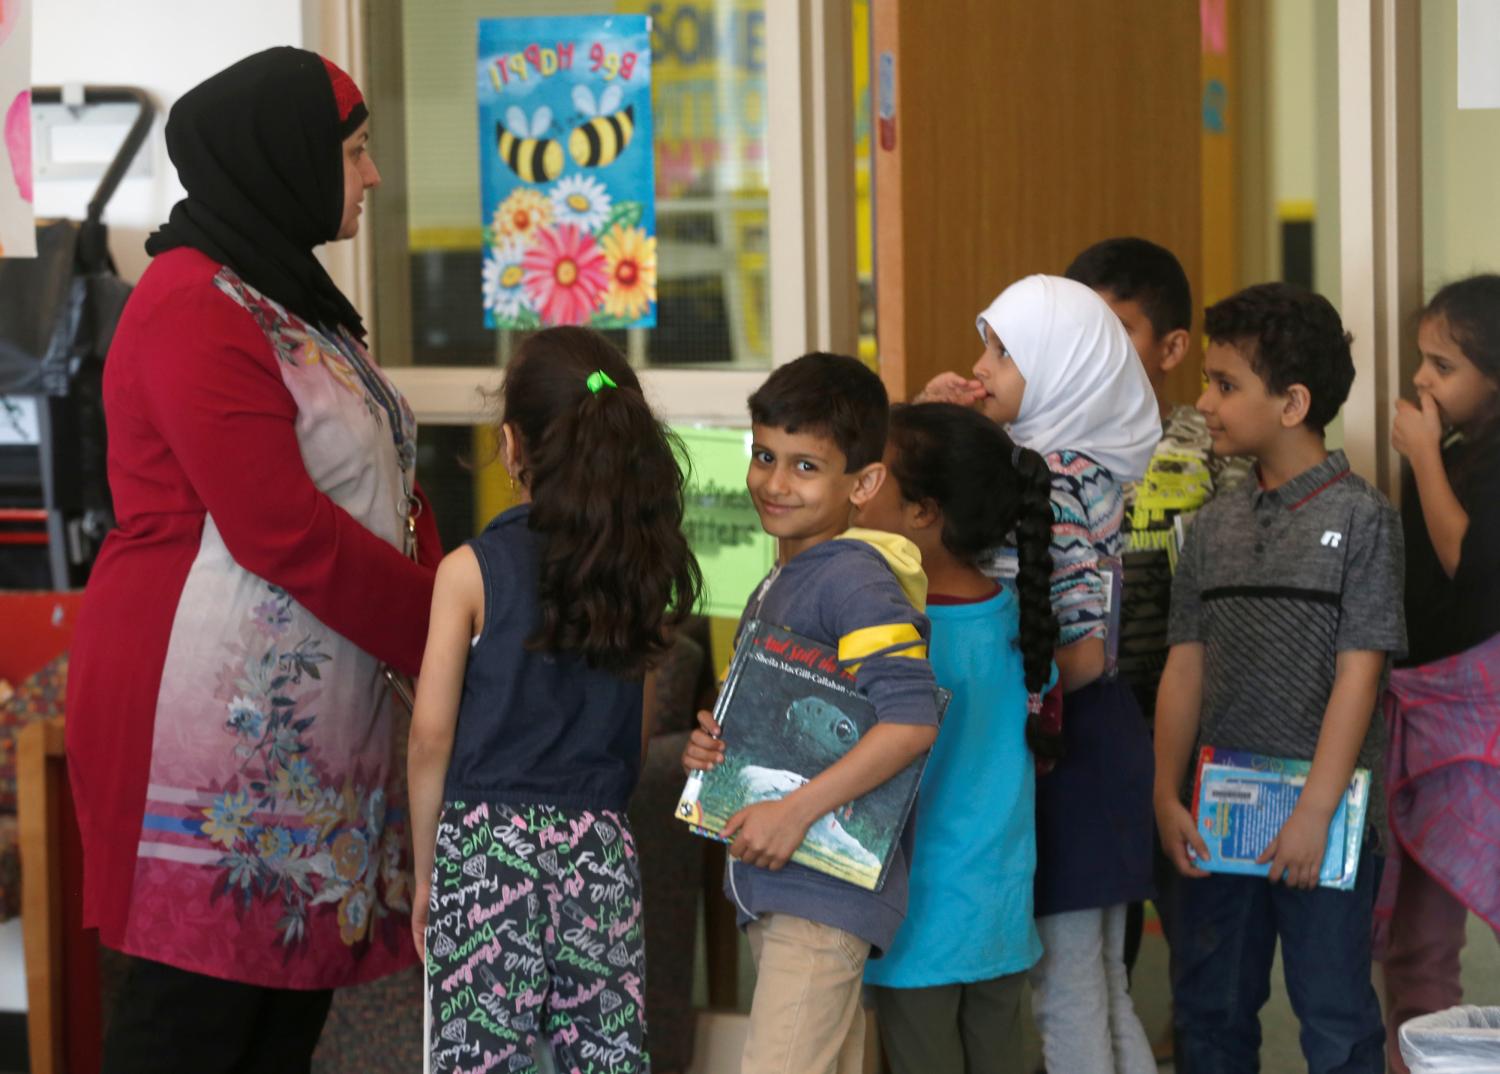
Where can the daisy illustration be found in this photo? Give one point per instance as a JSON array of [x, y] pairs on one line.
[[504, 295], [630, 264], [565, 275], [581, 200], [522, 215]]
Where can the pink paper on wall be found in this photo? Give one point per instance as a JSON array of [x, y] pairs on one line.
[[18, 142], [10, 15], [17, 221], [1213, 19]]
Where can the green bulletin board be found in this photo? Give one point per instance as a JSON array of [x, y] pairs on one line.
[[720, 521]]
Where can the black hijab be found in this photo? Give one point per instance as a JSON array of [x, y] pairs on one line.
[[259, 149]]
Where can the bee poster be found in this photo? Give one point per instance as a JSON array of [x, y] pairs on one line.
[[567, 177]]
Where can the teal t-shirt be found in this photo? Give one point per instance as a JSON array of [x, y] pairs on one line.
[[969, 917]]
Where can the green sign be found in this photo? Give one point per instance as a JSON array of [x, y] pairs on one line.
[[720, 521]]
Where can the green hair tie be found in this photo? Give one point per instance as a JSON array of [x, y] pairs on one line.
[[600, 379]]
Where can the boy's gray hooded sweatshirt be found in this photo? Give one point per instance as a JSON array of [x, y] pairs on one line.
[[863, 593]]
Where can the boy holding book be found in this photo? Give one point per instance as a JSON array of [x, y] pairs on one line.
[[1286, 607], [818, 435]]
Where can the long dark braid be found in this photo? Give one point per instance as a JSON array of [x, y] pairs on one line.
[[989, 491], [1039, 629]]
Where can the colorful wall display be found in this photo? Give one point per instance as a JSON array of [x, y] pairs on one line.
[[566, 172], [17, 221]]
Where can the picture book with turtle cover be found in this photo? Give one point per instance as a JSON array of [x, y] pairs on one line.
[[788, 710]]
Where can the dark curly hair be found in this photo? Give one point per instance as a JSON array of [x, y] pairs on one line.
[[1471, 309], [1132, 269], [961, 461], [1289, 336], [607, 497], [827, 394]]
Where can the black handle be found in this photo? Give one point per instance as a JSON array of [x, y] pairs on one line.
[[134, 138]]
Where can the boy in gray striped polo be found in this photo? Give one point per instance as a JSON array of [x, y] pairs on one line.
[[1286, 609]]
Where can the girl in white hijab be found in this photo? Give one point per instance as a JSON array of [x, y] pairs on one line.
[[1059, 371], [1082, 388]]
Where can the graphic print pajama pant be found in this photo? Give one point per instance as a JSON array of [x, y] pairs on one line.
[[535, 927]]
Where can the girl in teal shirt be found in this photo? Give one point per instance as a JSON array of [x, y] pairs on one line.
[[948, 992]]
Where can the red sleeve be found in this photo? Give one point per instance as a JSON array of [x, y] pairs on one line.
[[213, 391], [429, 543]]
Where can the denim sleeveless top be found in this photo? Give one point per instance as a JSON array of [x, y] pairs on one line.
[[536, 726]]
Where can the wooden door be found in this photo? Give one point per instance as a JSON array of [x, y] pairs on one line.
[[1021, 132]]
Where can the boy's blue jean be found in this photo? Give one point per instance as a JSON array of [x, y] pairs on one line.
[[1224, 943]]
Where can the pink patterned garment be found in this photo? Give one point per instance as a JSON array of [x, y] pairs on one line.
[[274, 848], [1444, 779]]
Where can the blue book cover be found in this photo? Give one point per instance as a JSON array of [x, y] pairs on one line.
[[1241, 800]]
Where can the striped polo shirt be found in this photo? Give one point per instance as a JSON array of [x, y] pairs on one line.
[[1275, 583]]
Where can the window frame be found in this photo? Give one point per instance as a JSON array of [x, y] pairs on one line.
[[810, 150]]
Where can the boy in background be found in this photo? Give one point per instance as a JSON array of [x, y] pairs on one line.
[[1148, 290], [1286, 608], [818, 430]]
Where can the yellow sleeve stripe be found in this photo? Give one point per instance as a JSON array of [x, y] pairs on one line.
[[867, 641]]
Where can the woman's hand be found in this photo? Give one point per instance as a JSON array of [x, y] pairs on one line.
[[1296, 854], [421, 896], [704, 749], [951, 388], [1417, 431]]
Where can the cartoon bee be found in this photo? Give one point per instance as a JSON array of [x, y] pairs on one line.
[[597, 141], [533, 158]]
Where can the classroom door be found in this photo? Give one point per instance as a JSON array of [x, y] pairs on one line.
[[1009, 135]]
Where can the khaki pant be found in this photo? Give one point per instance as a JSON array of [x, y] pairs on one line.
[[805, 1017]]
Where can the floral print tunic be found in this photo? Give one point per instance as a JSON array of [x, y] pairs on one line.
[[271, 844]]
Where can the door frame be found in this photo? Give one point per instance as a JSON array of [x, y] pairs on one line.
[[1380, 219]]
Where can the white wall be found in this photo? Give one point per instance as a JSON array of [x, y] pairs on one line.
[[1302, 126], [1292, 57], [1460, 159], [165, 47]]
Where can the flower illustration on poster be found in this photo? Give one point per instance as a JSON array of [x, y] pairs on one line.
[[567, 175], [17, 220]]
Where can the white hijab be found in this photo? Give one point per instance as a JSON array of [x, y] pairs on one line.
[[1086, 390]]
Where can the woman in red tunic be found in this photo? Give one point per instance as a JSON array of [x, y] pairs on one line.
[[230, 736]]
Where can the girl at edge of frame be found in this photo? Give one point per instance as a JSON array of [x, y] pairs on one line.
[[1441, 703], [527, 735], [948, 993]]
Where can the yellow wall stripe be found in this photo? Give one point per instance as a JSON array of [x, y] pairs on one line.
[[1296, 209], [423, 239]]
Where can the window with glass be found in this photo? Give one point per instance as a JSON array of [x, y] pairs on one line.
[[711, 174]]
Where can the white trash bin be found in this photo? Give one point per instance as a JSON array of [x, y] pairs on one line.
[[1460, 1040]]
